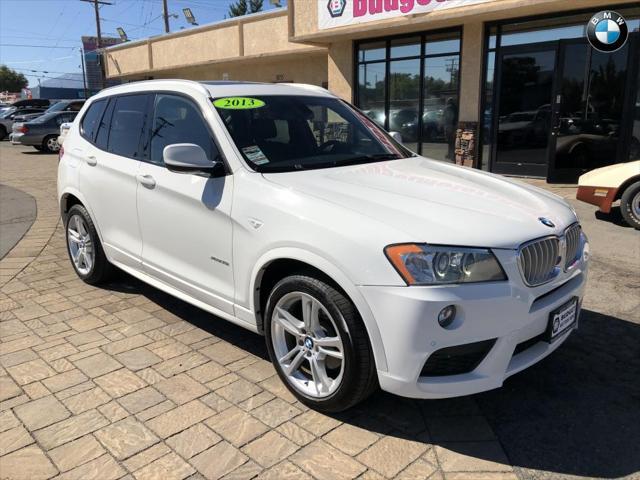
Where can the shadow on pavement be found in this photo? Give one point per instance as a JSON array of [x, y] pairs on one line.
[[614, 216], [577, 412]]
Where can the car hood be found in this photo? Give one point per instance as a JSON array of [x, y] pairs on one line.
[[435, 202]]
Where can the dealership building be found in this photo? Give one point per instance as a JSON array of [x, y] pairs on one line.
[[508, 86]]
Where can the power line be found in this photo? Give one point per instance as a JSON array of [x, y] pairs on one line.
[[33, 46]]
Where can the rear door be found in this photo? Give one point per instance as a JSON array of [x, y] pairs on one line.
[[184, 218], [107, 177]]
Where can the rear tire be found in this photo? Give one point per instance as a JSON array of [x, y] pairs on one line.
[[3, 133], [310, 350], [50, 144], [84, 247], [38, 147], [630, 205]]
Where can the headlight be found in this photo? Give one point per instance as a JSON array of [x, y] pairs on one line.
[[420, 264]]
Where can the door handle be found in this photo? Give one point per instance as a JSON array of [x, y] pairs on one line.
[[146, 180], [91, 160]]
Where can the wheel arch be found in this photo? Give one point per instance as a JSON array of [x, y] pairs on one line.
[[71, 197], [626, 184], [277, 264]]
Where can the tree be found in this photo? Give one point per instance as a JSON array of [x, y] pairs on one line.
[[241, 7], [10, 80]]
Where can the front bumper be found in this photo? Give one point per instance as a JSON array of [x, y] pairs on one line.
[[602, 197], [509, 313]]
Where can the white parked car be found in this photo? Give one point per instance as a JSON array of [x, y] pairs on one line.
[[603, 186], [283, 209]]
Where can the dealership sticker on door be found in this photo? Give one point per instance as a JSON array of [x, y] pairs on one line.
[[255, 155], [562, 319], [238, 103]]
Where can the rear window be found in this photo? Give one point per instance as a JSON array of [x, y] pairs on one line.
[[89, 125], [127, 122]]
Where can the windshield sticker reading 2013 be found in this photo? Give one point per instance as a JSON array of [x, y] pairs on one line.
[[238, 103]]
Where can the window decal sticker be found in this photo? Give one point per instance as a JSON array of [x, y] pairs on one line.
[[238, 103], [255, 155]]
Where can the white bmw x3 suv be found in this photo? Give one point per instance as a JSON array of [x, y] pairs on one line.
[[285, 210]]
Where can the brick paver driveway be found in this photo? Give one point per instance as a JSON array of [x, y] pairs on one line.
[[127, 382]]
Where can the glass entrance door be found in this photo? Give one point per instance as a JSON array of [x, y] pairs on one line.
[[588, 110], [523, 115]]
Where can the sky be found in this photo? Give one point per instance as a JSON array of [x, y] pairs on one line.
[[44, 35]]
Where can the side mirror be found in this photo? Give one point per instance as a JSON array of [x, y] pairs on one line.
[[191, 158], [396, 136]]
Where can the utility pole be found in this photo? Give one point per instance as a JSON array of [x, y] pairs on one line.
[[165, 15], [84, 74], [96, 7]]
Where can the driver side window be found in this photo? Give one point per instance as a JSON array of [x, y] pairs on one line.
[[178, 120]]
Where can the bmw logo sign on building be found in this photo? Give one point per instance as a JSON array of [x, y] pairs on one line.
[[336, 7], [607, 31]]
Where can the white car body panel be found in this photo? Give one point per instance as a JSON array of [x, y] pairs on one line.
[[612, 176], [338, 220]]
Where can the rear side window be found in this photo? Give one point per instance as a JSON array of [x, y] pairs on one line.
[[102, 137], [178, 120], [89, 125], [127, 122]]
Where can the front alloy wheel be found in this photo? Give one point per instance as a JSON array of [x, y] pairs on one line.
[[307, 345], [318, 343]]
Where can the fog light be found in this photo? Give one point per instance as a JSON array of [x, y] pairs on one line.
[[447, 315]]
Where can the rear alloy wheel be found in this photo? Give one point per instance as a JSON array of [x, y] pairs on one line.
[[318, 344], [50, 144], [84, 248], [630, 205]]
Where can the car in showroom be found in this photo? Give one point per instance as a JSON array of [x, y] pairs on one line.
[[604, 186], [42, 133], [283, 209]]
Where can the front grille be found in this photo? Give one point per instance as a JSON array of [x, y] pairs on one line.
[[572, 239], [538, 260], [456, 360]]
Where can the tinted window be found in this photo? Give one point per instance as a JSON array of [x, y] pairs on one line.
[[127, 123], [177, 120], [102, 136], [90, 120]]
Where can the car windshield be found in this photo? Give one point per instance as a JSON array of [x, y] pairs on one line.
[[282, 133]]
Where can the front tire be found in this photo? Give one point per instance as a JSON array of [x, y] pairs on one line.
[[318, 344], [630, 205], [84, 247]]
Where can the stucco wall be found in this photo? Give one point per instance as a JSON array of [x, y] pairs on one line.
[[471, 71], [232, 40], [302, 68], [267, 36], [340, 69], [130, 60], [208, 46]]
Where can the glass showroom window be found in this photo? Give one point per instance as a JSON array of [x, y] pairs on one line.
[[410, 85]]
